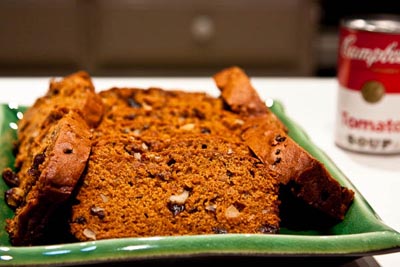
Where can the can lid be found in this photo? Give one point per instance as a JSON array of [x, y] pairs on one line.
[[374, 23]]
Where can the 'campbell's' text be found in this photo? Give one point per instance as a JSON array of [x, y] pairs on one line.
[[388, 55]]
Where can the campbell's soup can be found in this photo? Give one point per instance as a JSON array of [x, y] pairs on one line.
[[368, 104]]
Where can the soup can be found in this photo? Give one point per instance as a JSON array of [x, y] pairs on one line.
[[368, 74]]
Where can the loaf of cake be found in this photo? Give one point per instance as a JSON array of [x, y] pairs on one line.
[[135, 162], [52, 149]]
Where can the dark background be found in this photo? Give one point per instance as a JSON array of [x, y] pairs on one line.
[[175, 37]]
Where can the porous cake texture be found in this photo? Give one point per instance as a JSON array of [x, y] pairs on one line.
[[191, 185]]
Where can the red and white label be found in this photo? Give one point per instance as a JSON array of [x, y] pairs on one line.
[[368, 111]]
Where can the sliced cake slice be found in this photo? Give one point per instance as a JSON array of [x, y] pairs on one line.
[[62, 116], [172, 163], [73, 92], [59, 161], [267, 137], [191, 185]]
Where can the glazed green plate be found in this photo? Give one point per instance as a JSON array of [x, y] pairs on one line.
[[361, 233]]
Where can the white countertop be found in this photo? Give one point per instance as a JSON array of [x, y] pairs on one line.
[[311, 102]]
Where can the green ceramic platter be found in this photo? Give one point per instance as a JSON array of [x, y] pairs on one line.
[[361, 233]]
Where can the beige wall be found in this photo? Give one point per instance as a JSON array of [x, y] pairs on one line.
[[150, 37]]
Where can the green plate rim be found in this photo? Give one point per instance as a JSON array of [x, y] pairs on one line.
[[370, 237]]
